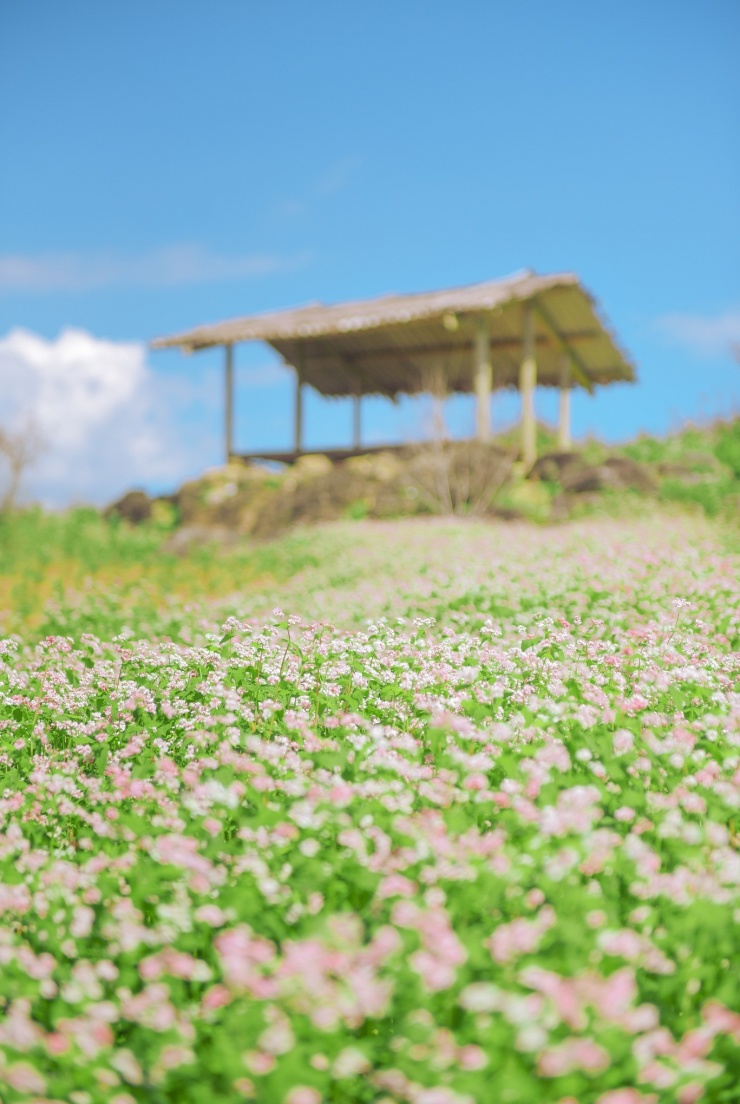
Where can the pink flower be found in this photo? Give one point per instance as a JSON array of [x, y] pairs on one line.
[[689, 1094], [404, 914], [259, 1062], [623, 943], [151, 1008], [56, 1043], [176, 964], [520, 936], [721, 1019], [623, 741], [211, 914], [241, 955], [83, 918], [278, 1037], [575, 811], [182, 851], [694, 803], [17, 1030], [302, 1094], [694, 1044], [563, 992], [125, 1062], [472, 1057], [24, 1078], [215, 997], [434, 972], [626, 1096], [396, 885], [244, 1086], [573, 1053], [617, 993], [475, 781]]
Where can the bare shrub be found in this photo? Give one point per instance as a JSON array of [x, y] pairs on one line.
[[459, 477], [455, 477], [19, 450]]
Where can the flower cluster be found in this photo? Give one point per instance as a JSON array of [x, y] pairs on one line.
[[488, 856]]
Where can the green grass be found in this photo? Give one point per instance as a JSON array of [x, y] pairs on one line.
[[52, 565]]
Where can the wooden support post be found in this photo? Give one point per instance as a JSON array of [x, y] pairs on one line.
[[564, 438], [439, 427], [298, 434], [229, 402], [483, 379], [527, 384], [356, 419]]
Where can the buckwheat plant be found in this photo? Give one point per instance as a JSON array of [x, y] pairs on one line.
[[491, 856]]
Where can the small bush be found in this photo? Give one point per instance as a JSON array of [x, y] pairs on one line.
[[727, 448]]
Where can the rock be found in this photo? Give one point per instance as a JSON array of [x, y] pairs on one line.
[[384, 466], [551, 467], [224, 496], [615, 472], [574, 474], [134, 506], [312, 465], [630, 473], [593, 477]]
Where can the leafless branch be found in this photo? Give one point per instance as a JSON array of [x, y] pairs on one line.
[[19, 450]]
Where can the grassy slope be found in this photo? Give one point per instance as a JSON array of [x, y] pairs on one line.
[[495, 856], [77, 573]]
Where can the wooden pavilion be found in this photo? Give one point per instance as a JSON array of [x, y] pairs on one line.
[[518, 332]]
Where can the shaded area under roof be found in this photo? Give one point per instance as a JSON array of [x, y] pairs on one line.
[[405, 344]]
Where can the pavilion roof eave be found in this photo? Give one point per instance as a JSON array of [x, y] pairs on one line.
[[321, 320], [389, 345]]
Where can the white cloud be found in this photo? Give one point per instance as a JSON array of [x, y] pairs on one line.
[[706, 335], [167, 267], [105, 420]]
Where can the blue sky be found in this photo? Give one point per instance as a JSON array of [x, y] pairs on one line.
[[165, 164]]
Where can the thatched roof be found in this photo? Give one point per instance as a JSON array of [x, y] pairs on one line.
[[396, 343]]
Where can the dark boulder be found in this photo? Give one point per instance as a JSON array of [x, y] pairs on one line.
[[575, 475], [594, 477], [553, 466], [630, 473], [134, 507], [615, 472]]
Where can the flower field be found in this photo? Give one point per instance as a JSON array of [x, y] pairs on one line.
[[483, 847]]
